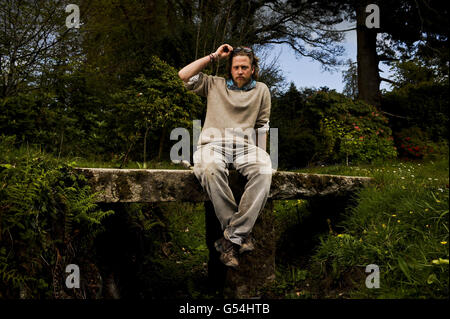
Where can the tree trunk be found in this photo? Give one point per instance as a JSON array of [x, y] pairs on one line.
[[145, 146], [126, 155], [161, 142], [368, 74]]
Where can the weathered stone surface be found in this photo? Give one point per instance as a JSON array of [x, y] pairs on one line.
[[164, 185]]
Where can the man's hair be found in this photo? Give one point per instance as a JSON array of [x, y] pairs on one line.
[[253, 62]]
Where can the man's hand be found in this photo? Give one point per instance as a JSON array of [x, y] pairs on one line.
[[223, 51], [193, 68]]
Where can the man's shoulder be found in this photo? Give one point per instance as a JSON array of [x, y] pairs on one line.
[[262, 86]]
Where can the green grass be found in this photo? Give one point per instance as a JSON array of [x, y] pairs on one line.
[[91, 163], [399, 224]]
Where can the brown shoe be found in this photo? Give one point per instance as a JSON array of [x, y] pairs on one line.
[[247, 245], [228, 252], [218, 244]]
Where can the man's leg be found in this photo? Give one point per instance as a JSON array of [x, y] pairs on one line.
[[255, 164], [210, 168]]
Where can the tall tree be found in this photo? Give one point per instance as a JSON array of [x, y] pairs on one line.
[[408, 28], [367, 57]]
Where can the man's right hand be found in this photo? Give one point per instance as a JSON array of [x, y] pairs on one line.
[[224, 51], [195, 67]]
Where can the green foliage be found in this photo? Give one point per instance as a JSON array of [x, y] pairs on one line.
[[353, 129], [286, 117], [172, 255], [78, 117], [420, 102], [68, 121], [342, 249], [48, 217], [156, 100], [424, 105], [401, 225], [414, 143], [350, 78], [289, 282], [27, 115], [414, 72], [328, 127], [364, 142]]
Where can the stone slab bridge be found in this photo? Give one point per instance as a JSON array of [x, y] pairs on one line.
[[257, 268]]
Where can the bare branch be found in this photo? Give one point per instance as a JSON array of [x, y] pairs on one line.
[[399, 116], [389, 81]]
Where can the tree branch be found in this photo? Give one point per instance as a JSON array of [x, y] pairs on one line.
[[390, 114], [389, 81]]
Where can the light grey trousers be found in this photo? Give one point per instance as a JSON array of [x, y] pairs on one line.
[[211, 169]]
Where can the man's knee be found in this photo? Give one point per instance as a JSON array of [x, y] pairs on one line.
[[209, 169], [262, 166]]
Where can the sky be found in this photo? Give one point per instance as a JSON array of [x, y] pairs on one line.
[[305, 72]]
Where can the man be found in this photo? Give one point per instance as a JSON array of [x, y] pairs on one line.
[[235, 108]]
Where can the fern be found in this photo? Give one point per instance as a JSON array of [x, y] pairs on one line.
[[44, 208]]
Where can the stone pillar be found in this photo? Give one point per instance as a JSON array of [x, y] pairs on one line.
[[216, 270], [256, 268]]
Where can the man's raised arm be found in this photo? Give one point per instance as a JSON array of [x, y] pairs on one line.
[[195, 67]]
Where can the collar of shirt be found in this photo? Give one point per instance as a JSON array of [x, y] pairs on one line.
[[232, 86]]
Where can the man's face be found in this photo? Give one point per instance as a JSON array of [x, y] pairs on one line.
[[241, 70]]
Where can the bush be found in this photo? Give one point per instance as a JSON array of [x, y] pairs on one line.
[[414, 143], [325, 126], [297, 147], [352, 130], [48, 221], [424, 105], [147, 110]]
